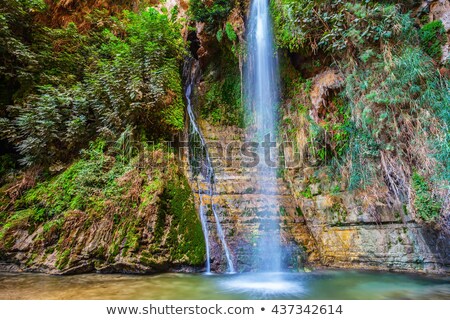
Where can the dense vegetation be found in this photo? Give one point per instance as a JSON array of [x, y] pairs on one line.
[[213, 13], [391, 110], [70, 86]]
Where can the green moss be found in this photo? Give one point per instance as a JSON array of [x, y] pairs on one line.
[[102, 187], [185, 238], [132, 237], [63, 259], [231, 34], [83, 186], [30, 260], [222, 102], [18, 217], [335, 189], [52, 226], [49, 250], [149, 190], [299, 211], [405, 209]]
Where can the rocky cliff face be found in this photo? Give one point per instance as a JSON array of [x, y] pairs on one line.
[[242, 206], [132, 217], [356, 230], [368, 228]]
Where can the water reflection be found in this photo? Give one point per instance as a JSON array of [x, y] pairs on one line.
[[316, 285]]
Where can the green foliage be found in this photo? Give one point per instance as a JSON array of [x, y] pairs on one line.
[[432, 38], [146, 64], [222, 102], [17, 218], [18, 61], [213, 13], [80, 187], [403, 86], [63, 259], [330, 138], [339, 214], [341, 129], [333, 25], [307, 193], [426, 205], [49, 124], [395, 102], [363, 150], [231, 34], [219, 35], [102, 82], [63, 55]]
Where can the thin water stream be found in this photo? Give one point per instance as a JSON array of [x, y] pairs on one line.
[[209, 180]]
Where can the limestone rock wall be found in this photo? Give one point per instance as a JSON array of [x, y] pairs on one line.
[[150, 226], [352, 230]]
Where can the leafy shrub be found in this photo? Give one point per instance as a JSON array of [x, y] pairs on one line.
[[399, 92], [427, 207], [398, 111], [18, 60], [49, 124], [334, 25], [229, 30], [133, 79], [432, 38], [213, 13]]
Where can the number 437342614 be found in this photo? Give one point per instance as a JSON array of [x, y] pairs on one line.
[[306, 309]]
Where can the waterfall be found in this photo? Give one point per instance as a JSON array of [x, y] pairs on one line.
[[262, 100], [208, 174]]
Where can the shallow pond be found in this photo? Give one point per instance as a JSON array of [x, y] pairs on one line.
[[314, 285]]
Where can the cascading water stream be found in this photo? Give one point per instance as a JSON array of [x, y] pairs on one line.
[[262, 100], [204, 223], [209, 176]]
